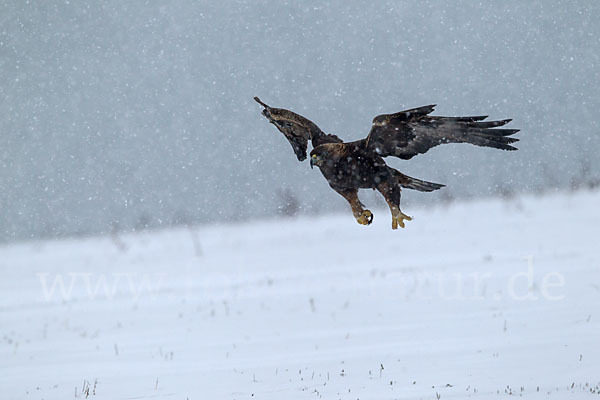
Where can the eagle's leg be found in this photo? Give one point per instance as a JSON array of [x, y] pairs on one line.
[[363, 217], [391, 193]]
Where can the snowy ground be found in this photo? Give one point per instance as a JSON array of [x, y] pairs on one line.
[[477, 300]]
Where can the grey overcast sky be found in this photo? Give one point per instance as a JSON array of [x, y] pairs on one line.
[[130, 114]]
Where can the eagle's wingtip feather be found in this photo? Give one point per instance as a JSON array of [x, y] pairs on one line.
[[260, 102]]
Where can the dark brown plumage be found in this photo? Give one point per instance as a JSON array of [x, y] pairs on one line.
[[351, 166]]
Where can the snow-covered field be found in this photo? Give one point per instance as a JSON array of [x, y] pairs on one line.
[[478, 299]]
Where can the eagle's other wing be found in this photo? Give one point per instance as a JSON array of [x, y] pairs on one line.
[[408, 133], [297, 129]]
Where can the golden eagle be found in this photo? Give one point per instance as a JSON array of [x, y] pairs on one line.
[[360, 164]]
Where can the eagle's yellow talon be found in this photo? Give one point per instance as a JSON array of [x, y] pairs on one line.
[[399, 220], [365, 218]]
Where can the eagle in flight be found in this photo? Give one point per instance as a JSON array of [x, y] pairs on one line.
[[360, 164]]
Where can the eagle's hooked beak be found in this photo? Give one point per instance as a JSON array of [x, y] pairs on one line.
[[313, 161]]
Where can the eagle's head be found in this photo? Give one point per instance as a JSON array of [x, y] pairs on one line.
[[315, 159], [319, 156]]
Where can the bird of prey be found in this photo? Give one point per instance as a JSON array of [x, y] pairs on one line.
[[356, 165]]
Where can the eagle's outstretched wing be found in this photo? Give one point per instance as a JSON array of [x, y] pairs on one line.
[[408, 133], [297, 129]]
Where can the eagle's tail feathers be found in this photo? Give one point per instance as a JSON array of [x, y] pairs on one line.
[[408, 182], [421, 186]]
